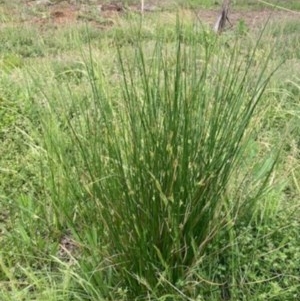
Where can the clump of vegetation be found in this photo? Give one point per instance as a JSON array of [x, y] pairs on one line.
[[151, 169]]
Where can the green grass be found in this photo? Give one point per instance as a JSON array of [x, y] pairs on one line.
[[149, 162], [236, 4], [279, 4]]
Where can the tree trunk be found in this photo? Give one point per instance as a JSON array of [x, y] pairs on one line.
[[223, 17]]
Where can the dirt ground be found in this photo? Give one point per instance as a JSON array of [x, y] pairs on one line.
[[66, 12]]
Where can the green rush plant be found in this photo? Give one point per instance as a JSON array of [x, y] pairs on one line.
[[147, 161]]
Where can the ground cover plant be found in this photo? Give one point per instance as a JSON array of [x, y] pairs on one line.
[[147, 162]]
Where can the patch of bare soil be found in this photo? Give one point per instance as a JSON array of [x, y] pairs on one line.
[[66, 15], [41, 12], [251, 18], [69, 12]]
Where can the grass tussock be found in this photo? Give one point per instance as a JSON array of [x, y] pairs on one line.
[[153, 171]]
